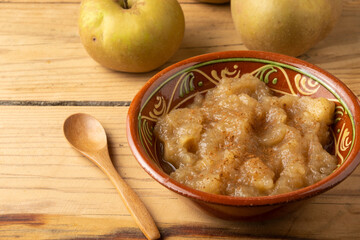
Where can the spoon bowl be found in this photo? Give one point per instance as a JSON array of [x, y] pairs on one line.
[[86, 134]]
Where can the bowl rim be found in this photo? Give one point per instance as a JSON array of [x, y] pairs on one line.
[[328, 182]]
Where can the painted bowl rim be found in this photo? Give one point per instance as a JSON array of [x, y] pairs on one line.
[[325, 184]]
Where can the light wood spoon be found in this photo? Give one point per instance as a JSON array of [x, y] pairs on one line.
[[86, 134]]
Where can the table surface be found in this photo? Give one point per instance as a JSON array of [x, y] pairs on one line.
[[49, 191]]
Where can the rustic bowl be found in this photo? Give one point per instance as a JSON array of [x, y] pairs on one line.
[[175, 87]]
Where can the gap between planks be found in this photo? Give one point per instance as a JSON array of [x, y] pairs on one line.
[[71, 103]]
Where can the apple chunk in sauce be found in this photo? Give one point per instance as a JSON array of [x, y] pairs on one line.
[[240, 140]]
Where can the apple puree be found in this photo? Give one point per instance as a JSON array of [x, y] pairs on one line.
[[240, 140]]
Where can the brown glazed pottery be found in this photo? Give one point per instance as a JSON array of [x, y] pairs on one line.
[[175, 87]]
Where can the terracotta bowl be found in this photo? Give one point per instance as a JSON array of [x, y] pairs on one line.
[[175, 87]]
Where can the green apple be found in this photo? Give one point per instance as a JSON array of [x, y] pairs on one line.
[[285, 26], [133, 35]]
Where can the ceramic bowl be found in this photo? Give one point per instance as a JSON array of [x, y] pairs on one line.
[[176, 86]]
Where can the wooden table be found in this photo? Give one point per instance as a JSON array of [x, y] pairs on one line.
[[49, 191]]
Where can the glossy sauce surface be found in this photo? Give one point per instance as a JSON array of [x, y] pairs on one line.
[[241, 140]]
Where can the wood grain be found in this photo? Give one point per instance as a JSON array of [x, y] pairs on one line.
[[49, 191]]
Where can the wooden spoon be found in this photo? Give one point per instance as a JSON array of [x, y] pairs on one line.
[[86, 134]]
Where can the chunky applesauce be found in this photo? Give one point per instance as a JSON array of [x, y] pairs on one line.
[[241, 140]]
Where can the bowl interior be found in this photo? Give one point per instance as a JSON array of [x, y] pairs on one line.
[[176, 88]]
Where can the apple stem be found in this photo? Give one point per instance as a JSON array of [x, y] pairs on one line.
[[126, 6]]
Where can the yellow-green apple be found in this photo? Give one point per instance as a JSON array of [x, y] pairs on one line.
[[133, 35], [285, 26]]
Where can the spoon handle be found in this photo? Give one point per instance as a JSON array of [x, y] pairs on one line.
[[133, 203]]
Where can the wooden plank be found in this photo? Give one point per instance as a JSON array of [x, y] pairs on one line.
[[41, 57], [49, 191]]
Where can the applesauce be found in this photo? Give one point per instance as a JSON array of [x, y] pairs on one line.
[[241, 140]]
